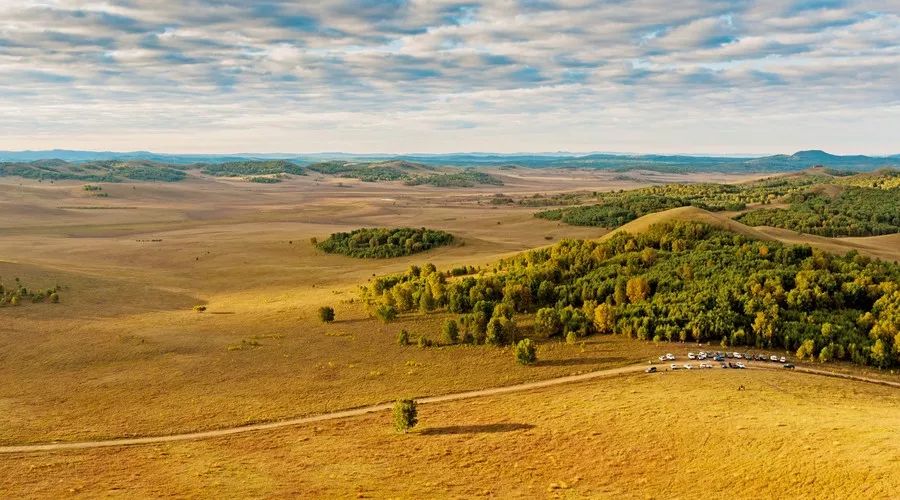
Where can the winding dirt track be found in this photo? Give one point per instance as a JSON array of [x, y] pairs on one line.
[[190, 436]]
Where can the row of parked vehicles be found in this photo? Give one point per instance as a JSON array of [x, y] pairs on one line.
[[721, 356]]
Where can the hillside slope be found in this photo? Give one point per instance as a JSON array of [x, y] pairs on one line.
[[883, 247], [641, 224]]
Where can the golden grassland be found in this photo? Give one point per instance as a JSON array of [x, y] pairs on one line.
[[664, 435], [125, 355]]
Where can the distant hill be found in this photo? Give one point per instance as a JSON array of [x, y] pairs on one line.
[[404, 163]]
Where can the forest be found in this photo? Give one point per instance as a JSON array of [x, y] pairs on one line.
[[252, 168], [93, 171], [679, 281], [854, 211], [384, 242], [827, 205], [466, 178]]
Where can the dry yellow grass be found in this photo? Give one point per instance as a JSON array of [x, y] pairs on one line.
[[124, 354], [680, 434]]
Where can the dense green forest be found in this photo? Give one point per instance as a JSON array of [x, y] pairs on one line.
[[384, 242], [848, 205], [17, 293], [683, 281], [252, 168], [614, 209], [854, 211]]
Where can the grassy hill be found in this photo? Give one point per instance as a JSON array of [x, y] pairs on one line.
[[688, 214]]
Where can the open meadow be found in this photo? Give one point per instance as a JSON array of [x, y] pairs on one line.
[[125, 354]]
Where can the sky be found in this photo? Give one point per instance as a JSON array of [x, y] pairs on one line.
[[401, 76]]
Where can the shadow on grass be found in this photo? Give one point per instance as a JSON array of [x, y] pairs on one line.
[[579, 361], [474, 429]]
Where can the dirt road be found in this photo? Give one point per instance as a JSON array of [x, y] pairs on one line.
[[316, 418], [33, 448]]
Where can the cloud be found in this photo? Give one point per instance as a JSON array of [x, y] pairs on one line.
[[446, 74]]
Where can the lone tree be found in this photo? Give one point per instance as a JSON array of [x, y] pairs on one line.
[[405, 415], [526, 352], [403, 337], [326, 314]]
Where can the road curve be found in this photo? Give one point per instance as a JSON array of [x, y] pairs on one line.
[[190, 436]]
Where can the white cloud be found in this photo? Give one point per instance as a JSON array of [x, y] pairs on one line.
[[401, 75]]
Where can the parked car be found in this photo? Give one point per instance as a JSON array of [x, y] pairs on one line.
[[789, 366], [724, 365], [670, 356], [783, 359], [773, 358], [741, 365], [719, 358], [662, 358], [674, 366], [688, 366], [691, 356], [737, 355], [651, 369], [729, 354]]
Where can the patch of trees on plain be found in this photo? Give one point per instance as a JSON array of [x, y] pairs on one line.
[[466, 178], [411, 173], [679, 281], [384, 242], [17, 293]]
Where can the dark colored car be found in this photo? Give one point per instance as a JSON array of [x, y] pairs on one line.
[[651, 369], [789, 366]]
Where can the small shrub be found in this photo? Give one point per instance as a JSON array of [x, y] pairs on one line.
[[425, 342], [526, 352], [386, 313], [198, 308], [403, 337], [406, 415], [326, 314], [451, 332], [54, 298], [571, 338]]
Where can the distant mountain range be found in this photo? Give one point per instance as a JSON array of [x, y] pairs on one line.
[[619, 162]]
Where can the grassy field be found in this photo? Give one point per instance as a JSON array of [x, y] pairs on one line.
[[669, 434], [124, 354]]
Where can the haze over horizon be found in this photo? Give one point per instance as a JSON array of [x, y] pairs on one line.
[[410, 76]]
